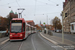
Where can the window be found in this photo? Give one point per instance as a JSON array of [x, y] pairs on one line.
[[23, 27], [28, 28], [72, 27], [16, 27]]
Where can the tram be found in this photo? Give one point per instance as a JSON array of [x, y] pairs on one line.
[[19, 29]]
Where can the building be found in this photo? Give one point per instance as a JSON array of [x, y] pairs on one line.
[[69, 15], [13, 15], [31, 22], [38, 27], [4, 22]]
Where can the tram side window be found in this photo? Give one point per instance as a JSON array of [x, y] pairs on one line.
[[31, 28], [26, 28], [23, 27]]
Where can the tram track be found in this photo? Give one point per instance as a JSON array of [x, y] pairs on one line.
[[9, 43], [2, 46]]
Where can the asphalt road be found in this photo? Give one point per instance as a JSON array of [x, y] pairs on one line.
[[33, 42], [66, 36]]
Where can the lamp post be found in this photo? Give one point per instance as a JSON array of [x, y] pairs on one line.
[[62, 27]]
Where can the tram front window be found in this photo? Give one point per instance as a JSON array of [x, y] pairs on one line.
[[16, 27]]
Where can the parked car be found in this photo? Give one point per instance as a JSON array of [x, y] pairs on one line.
[[58, 30]]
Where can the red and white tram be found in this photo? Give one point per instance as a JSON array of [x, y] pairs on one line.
[[34, 30], [19, 29]]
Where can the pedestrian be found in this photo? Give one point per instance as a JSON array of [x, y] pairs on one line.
[[45, 31]]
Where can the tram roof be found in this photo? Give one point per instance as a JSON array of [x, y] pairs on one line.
[[18, 19]]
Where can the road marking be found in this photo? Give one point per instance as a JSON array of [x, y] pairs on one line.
[[49, 39], [73, 37], [20, 46], [4, 42], [33, 43]]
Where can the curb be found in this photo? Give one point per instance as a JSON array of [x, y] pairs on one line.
[[4, 42], [51, 41]]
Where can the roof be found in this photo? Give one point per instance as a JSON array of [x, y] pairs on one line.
[[11, 11], [41, 24], [15, 12], [46, 25], [29, 21]]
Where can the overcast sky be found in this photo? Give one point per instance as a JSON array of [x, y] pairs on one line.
[[36, 10]]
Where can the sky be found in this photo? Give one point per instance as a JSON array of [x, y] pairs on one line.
[[37, 10]]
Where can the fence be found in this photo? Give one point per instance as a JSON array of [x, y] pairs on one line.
[[3, 34]]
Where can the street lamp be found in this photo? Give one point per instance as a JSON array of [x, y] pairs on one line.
[[62, 27]]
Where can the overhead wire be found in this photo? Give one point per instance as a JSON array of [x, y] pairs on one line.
[[35, 7], [45, 3], [18, 3], [48, 13], [11, 3], [8, 3], [35, 3]]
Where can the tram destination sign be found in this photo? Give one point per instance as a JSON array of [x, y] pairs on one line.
[[16, 21]]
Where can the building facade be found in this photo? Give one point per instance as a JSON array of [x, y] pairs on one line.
[[31, 22], [69, 11]]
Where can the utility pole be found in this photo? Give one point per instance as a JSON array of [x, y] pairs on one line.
[[47, 19], [20, 14], [62, 27]]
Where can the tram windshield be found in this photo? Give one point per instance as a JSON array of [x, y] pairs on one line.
[[16, 27]]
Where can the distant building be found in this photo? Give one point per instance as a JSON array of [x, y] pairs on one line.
[[13, 15], [31, 22], [38, 27], [4, 22], [69, 11], [50, 27]]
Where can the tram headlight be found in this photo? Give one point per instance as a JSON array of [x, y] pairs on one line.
[[21, 35], [10, 35]]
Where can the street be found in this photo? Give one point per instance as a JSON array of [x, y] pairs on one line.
[[33, 42], [66, 36]]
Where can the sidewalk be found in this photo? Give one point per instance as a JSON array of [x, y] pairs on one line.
[[58, 40], [3, 40]]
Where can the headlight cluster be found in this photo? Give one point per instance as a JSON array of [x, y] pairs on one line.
[[21, 35], [11, 35]]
